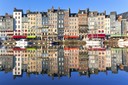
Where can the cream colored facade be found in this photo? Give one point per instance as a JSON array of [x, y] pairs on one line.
[[73, 29], [107, 26], [25, 24], [34, 23], [100, 23], [102, 60], [53, 58], [52, 30]]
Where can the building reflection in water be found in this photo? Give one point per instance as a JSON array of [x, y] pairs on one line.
[[59, 61]]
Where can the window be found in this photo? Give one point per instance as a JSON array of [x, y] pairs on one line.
[[18, 26]]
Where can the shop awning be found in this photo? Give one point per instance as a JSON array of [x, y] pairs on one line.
[[96, 35], [19, 37]]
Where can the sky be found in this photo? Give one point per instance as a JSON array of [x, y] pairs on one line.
[[7, 6]]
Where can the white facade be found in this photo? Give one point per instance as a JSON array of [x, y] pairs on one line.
[[92, 25], [17, 15], [17, 70], [107, 26], [108, 58]]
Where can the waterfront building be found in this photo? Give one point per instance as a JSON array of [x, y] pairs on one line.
[[25, 24], [115, 25], [83, 23], [61, 60], [72, 31], [124, 26], [73, 57], [17, 16], [17, 70], [45, 26], [101, 23], [53, 60], [52, 22], [6, 26], [7, 63], [66, 23], [107, 25], [60, 23]]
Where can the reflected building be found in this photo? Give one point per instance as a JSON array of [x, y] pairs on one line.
[[17, 70], [53, 60], [58, 61], [6, 63], [61, 60]]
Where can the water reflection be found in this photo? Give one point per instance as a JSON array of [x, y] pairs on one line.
[[59, 61]]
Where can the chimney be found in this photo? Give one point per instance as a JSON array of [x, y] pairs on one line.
[[6, 14], [52, 8], [69, 10], [59, 8], [14, 8], [28, 11], [105, 12]]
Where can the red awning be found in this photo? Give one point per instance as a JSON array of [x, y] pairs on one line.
[[18, 48], [65, 36], [19, 37], [96, 35]]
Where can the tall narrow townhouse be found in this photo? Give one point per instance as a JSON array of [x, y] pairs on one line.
[[83, 61], [73, 30], [34, 24], [34, 60], [93, 60], [66, 23], [116, 58], [61, 60], [115, 25], [83, 23], [92, 28], [45, 26], [100, 23], [17, 15], [52, 19], [39, 24], [53, 60], [108, 58], [102, 60], [72, 53], [6, 26], [107, 25], [17, 70], [61, 23], [124, 26], [25, 24], [112, 22]]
